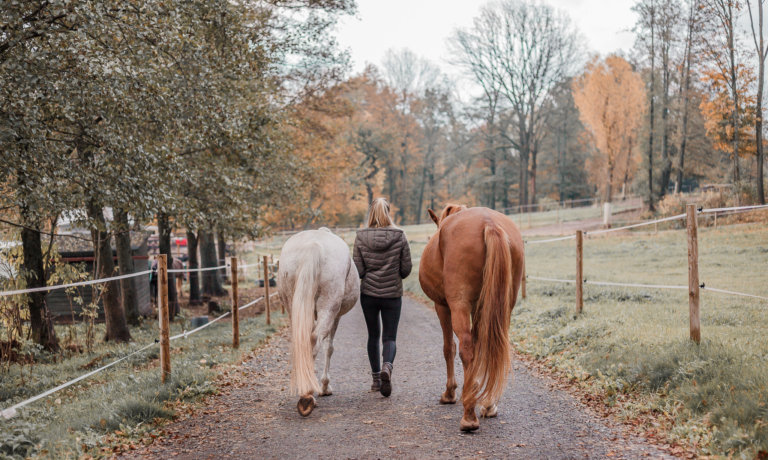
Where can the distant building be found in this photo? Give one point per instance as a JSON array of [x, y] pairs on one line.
[[78, 251]]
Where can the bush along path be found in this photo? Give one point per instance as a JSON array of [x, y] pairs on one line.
[[256, 417]]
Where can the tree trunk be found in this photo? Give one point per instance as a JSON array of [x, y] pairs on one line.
[[735, 94], [125, 264], [432, 203], [192, 263], [666, 162], [759, 109], [532, 196], [651, 201], [523, 177], [41, 326], [491, 200], [164, 246], [117, 328], [211, 279], [686, 99], [422, 185], [626, 171], [222, 251]]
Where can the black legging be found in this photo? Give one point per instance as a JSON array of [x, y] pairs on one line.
[[390, 316]]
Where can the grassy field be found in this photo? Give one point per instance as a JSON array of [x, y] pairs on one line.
[[128, 397], [635, 341]]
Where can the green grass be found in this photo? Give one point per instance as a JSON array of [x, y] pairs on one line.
[[630, 346], [128, 396], [632, 341]]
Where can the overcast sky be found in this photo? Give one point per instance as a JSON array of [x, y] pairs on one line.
[[424, 25]]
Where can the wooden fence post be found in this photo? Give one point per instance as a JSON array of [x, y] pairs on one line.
[[277, 269], [162, 316], [523, 286], [579, 271], [693, 272], [266, 288], [235, 305]]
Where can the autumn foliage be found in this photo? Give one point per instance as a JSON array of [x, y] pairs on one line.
[[611, 99], [717, 110]]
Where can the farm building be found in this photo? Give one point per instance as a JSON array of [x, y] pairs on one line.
[[77, 251]]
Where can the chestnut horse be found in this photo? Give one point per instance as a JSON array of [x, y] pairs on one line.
[[472, 269]]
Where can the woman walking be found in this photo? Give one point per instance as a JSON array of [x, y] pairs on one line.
[[383, 259]]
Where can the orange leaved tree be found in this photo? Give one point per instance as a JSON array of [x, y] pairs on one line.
[[718, 107], [611, 100]]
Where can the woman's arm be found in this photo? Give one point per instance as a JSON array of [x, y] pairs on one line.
[[357, 256], [405, 258]]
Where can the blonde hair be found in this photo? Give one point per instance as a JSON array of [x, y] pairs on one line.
[[378, 214]]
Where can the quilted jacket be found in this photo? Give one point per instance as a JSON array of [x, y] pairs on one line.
[[383, 259]]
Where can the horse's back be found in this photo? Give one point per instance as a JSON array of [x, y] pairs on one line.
[[336, 274]]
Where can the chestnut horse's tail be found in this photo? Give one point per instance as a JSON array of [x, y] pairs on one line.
[[490, 322], [303, 377]]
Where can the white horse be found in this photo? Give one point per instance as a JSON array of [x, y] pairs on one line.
[[319, 283]]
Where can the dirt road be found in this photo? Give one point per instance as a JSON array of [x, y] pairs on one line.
[[258, 418]]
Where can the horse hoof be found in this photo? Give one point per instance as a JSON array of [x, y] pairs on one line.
[[327, 391], [305, 405], [469, 425], [489, 412], [447, 400]]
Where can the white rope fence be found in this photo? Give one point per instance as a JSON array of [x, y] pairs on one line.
[[188, 270], [702, 286], [610, 283], [551, 240], [741, 294], [647, 286], [69, 285], [735, 208], [641, 224], [10, 412], [104, 280]]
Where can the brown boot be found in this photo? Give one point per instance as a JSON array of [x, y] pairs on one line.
[[376, 385], [386, 379]]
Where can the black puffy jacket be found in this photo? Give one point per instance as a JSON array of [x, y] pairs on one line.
[[383, 259]]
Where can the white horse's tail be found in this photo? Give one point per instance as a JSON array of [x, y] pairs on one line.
[[303, 378]]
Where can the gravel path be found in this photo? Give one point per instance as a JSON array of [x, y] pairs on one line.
[[257, 418]]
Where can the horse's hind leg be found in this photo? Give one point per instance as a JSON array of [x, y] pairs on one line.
[[325, 328], [449, 352], [489, 410], [325, 380], [461, 325]]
